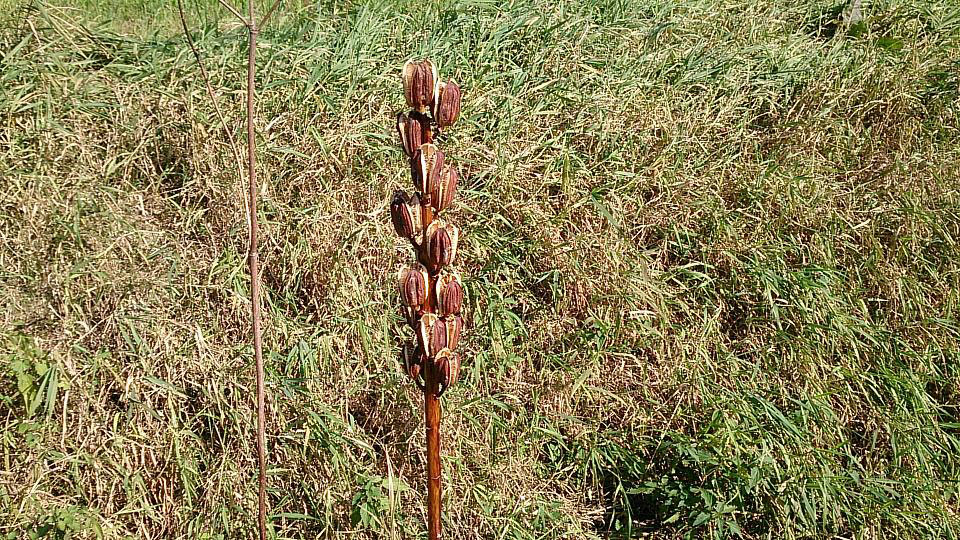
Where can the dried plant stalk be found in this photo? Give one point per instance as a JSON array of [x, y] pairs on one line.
[[255, 272], [253, 258], [436, 322]]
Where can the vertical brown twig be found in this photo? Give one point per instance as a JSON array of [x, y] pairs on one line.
[[255, 270], [254, 259]]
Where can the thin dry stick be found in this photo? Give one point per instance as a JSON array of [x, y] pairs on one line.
[[266, 18], [213, 98], [233, 10], [254, 258], [255, 267], [431, 413]]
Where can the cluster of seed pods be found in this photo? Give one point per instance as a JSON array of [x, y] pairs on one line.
[[431, 292]]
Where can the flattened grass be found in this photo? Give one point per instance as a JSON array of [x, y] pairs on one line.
[[711, 257]]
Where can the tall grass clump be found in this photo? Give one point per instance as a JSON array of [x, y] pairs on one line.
[[711, 282]]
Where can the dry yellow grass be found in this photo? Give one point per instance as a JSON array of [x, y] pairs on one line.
[[710, 251]]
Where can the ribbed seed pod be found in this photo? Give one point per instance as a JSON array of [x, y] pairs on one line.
[[414, 283], [425, 333], [453, 327], [441, 240], [446, 105], [405, 213], [413, 131], [449, 294], [426, 166], [413, 360], [448, 368], [438, 335], [444, 189], [419, 84]]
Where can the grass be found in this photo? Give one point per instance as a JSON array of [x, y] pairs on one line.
[[711, 257]]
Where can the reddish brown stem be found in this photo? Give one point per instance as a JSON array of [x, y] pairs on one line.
[[427, 213], [431, 408], [255, 274], [426, 217]]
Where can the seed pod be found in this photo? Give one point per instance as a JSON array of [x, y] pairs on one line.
[[419, 84], [425, 333], [448, 369], [446, 107], [414, 370], [439, 335], [406, 214], [441, 244], [414, 282], [453, 326], [413, 131], [409, 314], [443, 190], [413, 360], [449, 294], [426, 166]]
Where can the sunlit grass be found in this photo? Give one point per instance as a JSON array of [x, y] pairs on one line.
[[710, 250]]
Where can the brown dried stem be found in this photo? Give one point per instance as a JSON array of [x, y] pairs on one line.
[[255, 269], [431, 409], [236, 13], [431, 404], [253, 258], [213, 98]]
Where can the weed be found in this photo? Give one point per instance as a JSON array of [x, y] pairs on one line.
[[710, 263]]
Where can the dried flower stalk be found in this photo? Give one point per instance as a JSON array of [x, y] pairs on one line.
[[431, 292]]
